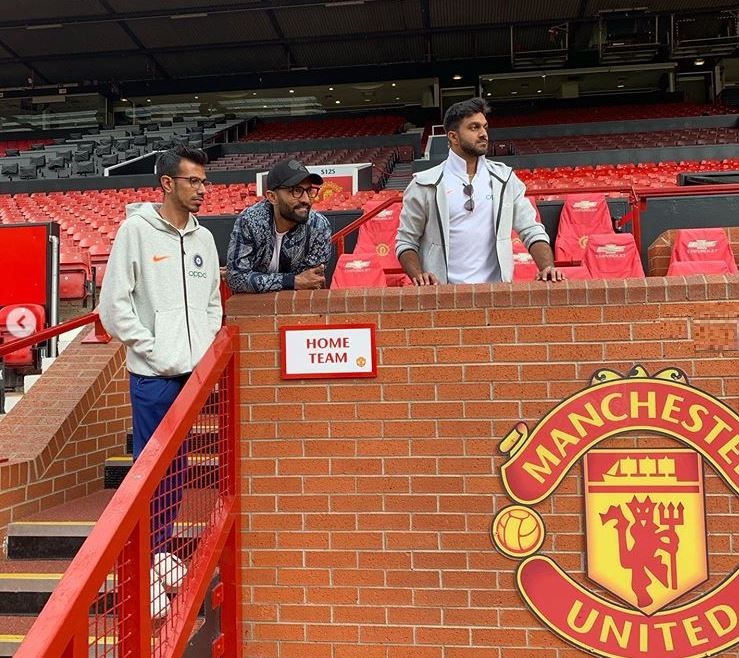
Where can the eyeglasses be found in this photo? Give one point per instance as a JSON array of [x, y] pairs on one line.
[[195, 181], [297, 191], [468, 190]]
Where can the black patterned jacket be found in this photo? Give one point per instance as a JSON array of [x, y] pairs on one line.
[[252, 244]]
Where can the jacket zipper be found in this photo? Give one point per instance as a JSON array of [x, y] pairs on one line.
[[184, 293], [438, 219]]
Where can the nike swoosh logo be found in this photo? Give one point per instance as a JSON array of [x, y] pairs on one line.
[[156, 259]]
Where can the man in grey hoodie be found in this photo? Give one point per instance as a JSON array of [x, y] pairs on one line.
[[161, 298], [457, 217]]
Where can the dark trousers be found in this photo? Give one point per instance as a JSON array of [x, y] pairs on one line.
[[151, 398]]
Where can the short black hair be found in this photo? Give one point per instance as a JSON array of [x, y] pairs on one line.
[[462, 110], [168, 163]]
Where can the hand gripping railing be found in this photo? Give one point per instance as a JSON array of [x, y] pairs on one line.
[[107, 603]]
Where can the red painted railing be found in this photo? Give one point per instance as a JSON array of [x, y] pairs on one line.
[[103, 604], [98, 336]]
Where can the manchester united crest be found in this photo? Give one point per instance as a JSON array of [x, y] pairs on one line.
[[644, 517], [645, 524]]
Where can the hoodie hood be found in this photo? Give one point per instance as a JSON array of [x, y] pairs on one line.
[[150, 212]]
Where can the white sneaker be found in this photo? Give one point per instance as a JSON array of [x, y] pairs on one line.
[[170, 569], [159, 598]]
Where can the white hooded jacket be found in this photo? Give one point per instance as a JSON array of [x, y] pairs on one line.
[[161, 294]]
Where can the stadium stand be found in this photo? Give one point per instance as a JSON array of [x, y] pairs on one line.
[[610, 112], [89, 153], [326, 128], [654, 139]]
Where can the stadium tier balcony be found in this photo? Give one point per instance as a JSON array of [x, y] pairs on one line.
[[609, 113], [327, 128], [632, 140], [15, 146]]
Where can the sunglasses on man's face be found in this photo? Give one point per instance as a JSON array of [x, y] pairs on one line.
[[468, 190]]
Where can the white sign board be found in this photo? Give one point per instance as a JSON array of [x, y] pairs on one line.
[[345, 176], [327, 351]]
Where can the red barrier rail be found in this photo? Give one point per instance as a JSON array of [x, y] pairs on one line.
[[105, 605], [99, 335]]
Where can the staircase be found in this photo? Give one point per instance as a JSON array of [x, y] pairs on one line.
[[37, 550], [400, 177]]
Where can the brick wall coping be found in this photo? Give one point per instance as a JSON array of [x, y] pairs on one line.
[[718, 287], [36, 429]]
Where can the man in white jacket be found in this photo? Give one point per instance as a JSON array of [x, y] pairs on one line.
[[457, 217], [161, 298]]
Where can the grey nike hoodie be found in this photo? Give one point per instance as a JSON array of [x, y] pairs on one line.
[[161, 295]]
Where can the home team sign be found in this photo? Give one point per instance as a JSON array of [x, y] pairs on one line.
[[327, 351]]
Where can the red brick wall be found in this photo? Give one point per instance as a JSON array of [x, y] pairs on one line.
[[367, 504], [59, 434]]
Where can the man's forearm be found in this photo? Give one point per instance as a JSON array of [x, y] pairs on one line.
[[411, 263], [542, 254]]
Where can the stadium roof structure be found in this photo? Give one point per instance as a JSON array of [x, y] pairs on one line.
[[156, 42]]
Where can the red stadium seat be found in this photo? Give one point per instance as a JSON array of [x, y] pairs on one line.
[[575, 272], [582, 215], [29, 318], [358, 271], [524, 267], [703, 244], [99, 254], [75, 275], [691, 267], [612, 256], [377, 236]]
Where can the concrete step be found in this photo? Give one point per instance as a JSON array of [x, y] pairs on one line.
[[58, 533], [26, 585], [201, 470], [12, 631]]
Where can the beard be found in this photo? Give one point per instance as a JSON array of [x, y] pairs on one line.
[[298, 214], [475, 149]]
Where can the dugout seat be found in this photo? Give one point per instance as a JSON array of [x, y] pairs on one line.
[[575, 272], [377, 237], [582, 215], [358, 271], [692, 267], [524, 267], [30, 318], [612, 256], [701, 245]]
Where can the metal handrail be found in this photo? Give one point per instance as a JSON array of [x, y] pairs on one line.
[[99, 336], [61, 629]]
